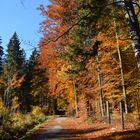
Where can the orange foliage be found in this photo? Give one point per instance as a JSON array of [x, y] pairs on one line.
[[60, 17]]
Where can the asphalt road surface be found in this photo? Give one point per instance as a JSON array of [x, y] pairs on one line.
[[54, 132]]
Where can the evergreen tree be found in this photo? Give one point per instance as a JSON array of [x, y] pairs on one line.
[[1, 54], [33, 60], [34, 85], [14, 66], [27, 98], [38, 80], [15, 58]]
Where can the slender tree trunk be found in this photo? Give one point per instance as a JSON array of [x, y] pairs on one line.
[[122, 115], [108, 112], [7, 98], [134, 29], [100, 86], [75, 96], [121, 68]]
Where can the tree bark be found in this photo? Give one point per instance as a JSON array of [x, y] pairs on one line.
[[108, 112], [100, 86], [75, 96], [122, 115], [121, 69], [134, 29]]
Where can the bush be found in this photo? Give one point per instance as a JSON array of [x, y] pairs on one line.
[[4, 135], [17, 124], [36, 111], [38, 114]]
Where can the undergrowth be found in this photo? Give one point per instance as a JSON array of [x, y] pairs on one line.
[[14, 125]]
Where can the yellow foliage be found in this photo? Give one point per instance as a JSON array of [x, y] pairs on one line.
[[2, 108], [36, 110]]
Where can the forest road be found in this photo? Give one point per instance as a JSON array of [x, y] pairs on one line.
[[68, 128], [53, 131]]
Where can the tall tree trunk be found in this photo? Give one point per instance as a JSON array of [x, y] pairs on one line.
[[75, 96], [7, 93], [100, 86], [7, 98], [134, 29], [121, 69]]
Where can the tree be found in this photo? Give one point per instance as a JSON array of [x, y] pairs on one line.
[[36, 82], [133, 25], [82, 30], [13, 68], [78, 45], [15, 58], [1, 59]]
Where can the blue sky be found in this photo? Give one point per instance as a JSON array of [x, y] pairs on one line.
[[23, 19]]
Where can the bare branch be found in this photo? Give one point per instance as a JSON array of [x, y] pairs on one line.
[[121, 3], [67, 31]]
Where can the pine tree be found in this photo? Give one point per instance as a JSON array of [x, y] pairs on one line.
[[35, 81], [13, 70], [1, 54], [39, 86], [15, 58]]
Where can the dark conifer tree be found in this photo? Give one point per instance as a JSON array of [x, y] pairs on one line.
[[15, 58], [38, 79], [14, 66], [26, 86], [1, 54]]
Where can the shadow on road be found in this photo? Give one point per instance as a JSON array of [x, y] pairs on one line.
[[62, 134], [70, 134]]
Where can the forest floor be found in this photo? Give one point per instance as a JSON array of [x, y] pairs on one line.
[[77, 129]]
